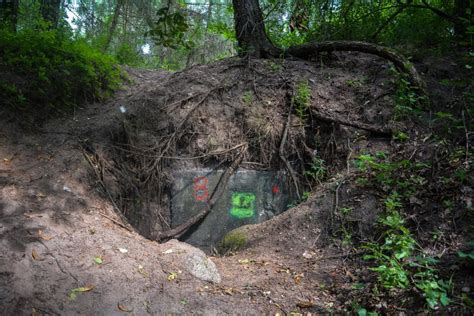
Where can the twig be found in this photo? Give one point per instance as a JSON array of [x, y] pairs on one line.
[[282, 153], [98, 176], [378, 131], [336, 197], [466, 132], [212, 153], [115, 221]]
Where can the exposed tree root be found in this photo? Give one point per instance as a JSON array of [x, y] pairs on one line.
[[282, 154], [376, 131], [306, 51]]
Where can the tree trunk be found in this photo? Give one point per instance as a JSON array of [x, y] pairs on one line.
[[50, 10], [460, 12], [250, 30], [113, 25], [9, 13], [253, 40]]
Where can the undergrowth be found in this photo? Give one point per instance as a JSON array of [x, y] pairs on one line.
[[397, 258], [44, 72]]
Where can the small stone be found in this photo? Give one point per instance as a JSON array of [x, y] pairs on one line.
[[466, 289]]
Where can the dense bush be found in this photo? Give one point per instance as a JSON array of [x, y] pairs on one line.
[[45, 72]]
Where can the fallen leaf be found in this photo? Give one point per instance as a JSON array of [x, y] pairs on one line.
[[247, 261], [86, 288], [172, 276], [40, 195], [35, 256], [298, 278], [73, 293], [305, 304], [124, 309], [98, 260], [34, 312], [142, 271], [43, 236]]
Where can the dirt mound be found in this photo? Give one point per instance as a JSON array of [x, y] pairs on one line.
[[210, 115], [66, 249]]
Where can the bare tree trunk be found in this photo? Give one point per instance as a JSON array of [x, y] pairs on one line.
[[113, 25], [250, 29], [253, 40], [50, 10]]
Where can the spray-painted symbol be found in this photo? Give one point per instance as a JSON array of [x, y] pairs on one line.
[[275, 189], [243, 205], [200, 191]]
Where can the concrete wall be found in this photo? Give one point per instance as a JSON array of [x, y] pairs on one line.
[[250, 197]]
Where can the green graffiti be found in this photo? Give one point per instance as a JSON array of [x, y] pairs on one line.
[[243, 205]]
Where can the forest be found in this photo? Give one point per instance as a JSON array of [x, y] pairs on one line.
[[283, 157]]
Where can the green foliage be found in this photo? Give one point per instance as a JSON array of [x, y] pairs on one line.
[[387, 21], [170, 29], [233, 241], [316, 170], [46, 71], [407, 101], [247, 97], [364, 312], [401, 176], [401, 136], [397, 264], [470, 253], [301, 99], [127, 55]]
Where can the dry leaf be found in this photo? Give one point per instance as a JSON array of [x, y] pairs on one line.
[[73, 295], [142, 271], [34, 312], [43, 236], [172, 276], [86, 288], [298, 278], [305, 304], [35, 256], [124, 309]]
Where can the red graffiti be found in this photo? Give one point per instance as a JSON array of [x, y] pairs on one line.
[[275, 189], [200, 191]]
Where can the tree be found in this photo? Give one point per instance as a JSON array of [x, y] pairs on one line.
[[113, 24], [253, 41], [50, 10], [9, 13]]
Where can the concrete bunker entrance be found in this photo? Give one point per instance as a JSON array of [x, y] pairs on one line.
[[250, 197]]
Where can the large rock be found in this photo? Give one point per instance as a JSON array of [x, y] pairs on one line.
[[194, 261]]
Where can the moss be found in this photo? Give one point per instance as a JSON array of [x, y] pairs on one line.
[[233, 241]]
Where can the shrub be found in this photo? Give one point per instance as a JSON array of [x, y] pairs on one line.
[[233, 241], [43, 72]]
